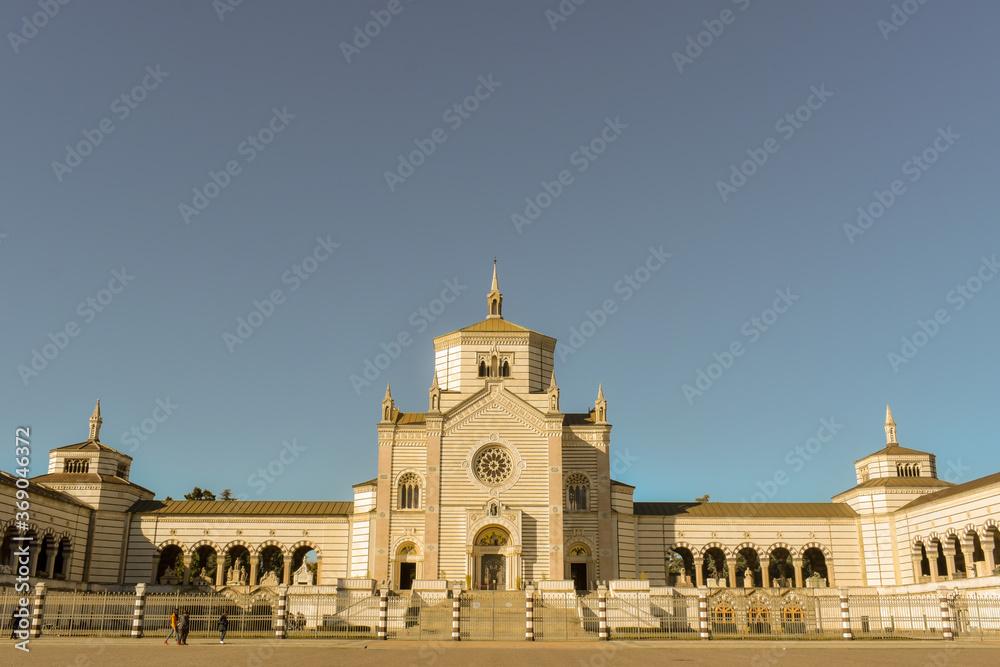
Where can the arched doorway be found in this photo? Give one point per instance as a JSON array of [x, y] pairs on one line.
[[578, 564], [305, 556], [61, 564], [491, 566], [407, 559]]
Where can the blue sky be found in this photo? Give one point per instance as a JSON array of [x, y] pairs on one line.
[[250, 153]]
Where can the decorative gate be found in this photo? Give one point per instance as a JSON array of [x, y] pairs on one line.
[[487, 615], [494, 574]]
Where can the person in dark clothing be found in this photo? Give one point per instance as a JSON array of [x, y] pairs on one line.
[[183, 627], [13, 621], [223, 626]]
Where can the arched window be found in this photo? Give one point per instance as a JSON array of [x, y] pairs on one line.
[[482, 369], [76, 465], [577, 486], [506, 370], [409, 492]]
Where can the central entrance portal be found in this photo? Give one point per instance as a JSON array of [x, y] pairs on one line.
[[578, 573], [494, 571]]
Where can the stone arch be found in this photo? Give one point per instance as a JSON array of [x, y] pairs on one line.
[[270, 543], [400, 540], [747, 545], [306, 543], [238, 543], [494, 521], [778, 545], [686, 545], [172, 542], [718, 545], [204, 543], [815, 545], [753, 562], [580, 539]]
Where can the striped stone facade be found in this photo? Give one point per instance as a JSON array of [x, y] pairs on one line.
[[495, 486]]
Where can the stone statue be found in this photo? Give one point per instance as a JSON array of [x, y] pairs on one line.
[[269, 579], [243, 576], [748, 579], [303, 575]]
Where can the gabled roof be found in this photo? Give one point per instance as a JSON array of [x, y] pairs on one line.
[[954, 490], [243, 507], [84, 478], [747, 510], [90, 445], [900, 483], [894, 449]]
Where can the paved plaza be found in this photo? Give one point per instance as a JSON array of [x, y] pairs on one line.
[[256, 653]]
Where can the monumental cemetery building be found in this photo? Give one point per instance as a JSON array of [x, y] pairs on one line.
[[497, 484]]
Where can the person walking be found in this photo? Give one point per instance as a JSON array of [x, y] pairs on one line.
[[13, 621], [182, 628], [173, 628], [223, 626]]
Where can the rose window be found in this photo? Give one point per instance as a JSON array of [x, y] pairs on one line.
[[493, 465]]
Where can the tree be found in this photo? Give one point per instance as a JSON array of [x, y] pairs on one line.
[[227, 494], [198, 494]]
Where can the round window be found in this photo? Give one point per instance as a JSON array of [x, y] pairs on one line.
[[493, 465]]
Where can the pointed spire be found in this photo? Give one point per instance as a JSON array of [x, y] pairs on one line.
[[494, 299], [890, 428], [434, 395], [601, 406], [95, 422], [388, 406], [553, 392]]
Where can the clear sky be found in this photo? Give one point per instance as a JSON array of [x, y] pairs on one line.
[[167, 165]]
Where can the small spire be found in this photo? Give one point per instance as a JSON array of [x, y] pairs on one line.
[[388, 391], [435, 385], [552, 382], [600, 391], [600, 406], [494, 300], [95, 422], [890, 428]]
